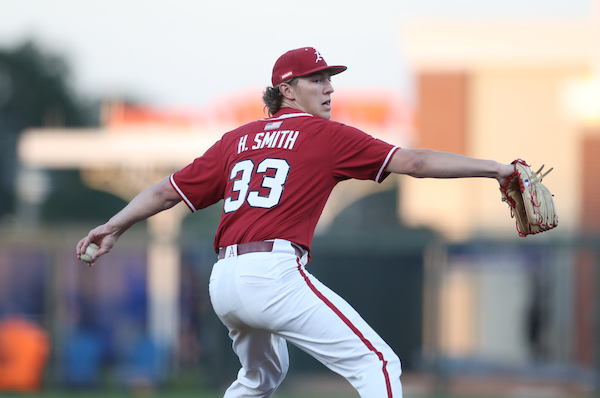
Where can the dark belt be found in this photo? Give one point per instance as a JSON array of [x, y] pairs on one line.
[[255, 247]]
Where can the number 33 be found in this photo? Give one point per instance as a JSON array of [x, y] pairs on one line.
[[241, 184]]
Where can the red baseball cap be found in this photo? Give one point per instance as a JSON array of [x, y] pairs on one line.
[[301, 62]]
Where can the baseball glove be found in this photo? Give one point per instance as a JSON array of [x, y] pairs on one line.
[[530, 202]]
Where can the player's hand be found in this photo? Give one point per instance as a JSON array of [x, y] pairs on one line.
[[504, 171], [103, 236]]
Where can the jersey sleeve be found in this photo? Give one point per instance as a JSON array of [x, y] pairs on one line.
[[201, 184], [356, 154]]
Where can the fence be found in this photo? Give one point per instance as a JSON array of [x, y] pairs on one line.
[[528, 309]]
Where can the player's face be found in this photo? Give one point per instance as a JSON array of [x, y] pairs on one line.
[[313, 94]]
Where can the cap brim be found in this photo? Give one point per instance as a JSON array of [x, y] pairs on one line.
[[334, 70]]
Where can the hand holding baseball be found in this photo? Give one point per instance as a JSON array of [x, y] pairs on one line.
[[98, 242], [89, 252]]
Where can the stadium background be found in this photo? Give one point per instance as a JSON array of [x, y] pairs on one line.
[[468, 306]]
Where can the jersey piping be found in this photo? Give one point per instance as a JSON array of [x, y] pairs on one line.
[[385, 163], [288, 115], [352, 327], [180, 192]]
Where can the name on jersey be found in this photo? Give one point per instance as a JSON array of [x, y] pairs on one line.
[[283, 139]]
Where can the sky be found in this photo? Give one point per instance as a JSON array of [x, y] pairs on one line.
[[186, 53]]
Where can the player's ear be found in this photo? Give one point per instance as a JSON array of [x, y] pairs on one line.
[[287, 91]]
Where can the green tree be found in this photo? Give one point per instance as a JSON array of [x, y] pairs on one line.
[[34, 89], [35, 92]]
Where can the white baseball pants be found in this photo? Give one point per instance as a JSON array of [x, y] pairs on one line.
[[266, 299]]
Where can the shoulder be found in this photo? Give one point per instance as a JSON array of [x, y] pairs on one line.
[[243, 129], [341, 129]]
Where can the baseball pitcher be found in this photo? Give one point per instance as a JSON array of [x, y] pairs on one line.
[[274, 176]]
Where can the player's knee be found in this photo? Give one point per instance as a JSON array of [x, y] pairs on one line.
[[375, 363], [387, 364], [393, 365]]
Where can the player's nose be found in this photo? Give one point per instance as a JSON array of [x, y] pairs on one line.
[[328, 89]]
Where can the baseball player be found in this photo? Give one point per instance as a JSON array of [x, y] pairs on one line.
[[274, 176]]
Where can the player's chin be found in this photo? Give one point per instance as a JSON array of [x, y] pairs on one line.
[[325, 112]]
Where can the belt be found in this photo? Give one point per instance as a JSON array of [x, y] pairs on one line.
[[255, 247]]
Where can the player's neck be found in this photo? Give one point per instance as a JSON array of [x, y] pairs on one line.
[[286, 103]]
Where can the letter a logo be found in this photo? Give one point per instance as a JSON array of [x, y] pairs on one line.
[[231, 251], [319, 57]]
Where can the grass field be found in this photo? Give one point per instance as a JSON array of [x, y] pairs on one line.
[[192, 394], [199, 394], [160, 394], [331, 387], [121, 394], [207, 394]]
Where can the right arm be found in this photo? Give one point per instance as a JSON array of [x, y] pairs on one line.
[[159, 197]]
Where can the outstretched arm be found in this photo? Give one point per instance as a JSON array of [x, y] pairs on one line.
[[425, 163], [159, 197]]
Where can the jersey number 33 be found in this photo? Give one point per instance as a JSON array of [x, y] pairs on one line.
[[244, 171]]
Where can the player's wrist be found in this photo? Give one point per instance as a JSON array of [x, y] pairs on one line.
[[114, 227], [504, 171]]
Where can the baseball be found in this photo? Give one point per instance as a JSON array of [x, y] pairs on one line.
[[89, 252]]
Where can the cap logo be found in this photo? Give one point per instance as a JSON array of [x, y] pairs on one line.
[[319, 57], [286, 75]]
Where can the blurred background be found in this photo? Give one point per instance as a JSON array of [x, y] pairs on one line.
[[99, 100]]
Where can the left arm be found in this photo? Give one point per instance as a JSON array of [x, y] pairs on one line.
[[426, 163]]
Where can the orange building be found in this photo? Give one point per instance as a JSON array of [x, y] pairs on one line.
[[503, 89]]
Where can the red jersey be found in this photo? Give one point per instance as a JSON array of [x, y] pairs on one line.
[[276, 174]]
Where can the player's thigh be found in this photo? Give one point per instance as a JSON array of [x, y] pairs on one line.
[[329, 328]]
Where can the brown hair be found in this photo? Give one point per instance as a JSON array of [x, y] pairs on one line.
[[273, 98]]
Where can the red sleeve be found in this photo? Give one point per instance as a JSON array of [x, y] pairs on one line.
[[358, 155], [201, 183]]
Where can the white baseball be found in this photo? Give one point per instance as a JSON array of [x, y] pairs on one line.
[[89, 252]]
